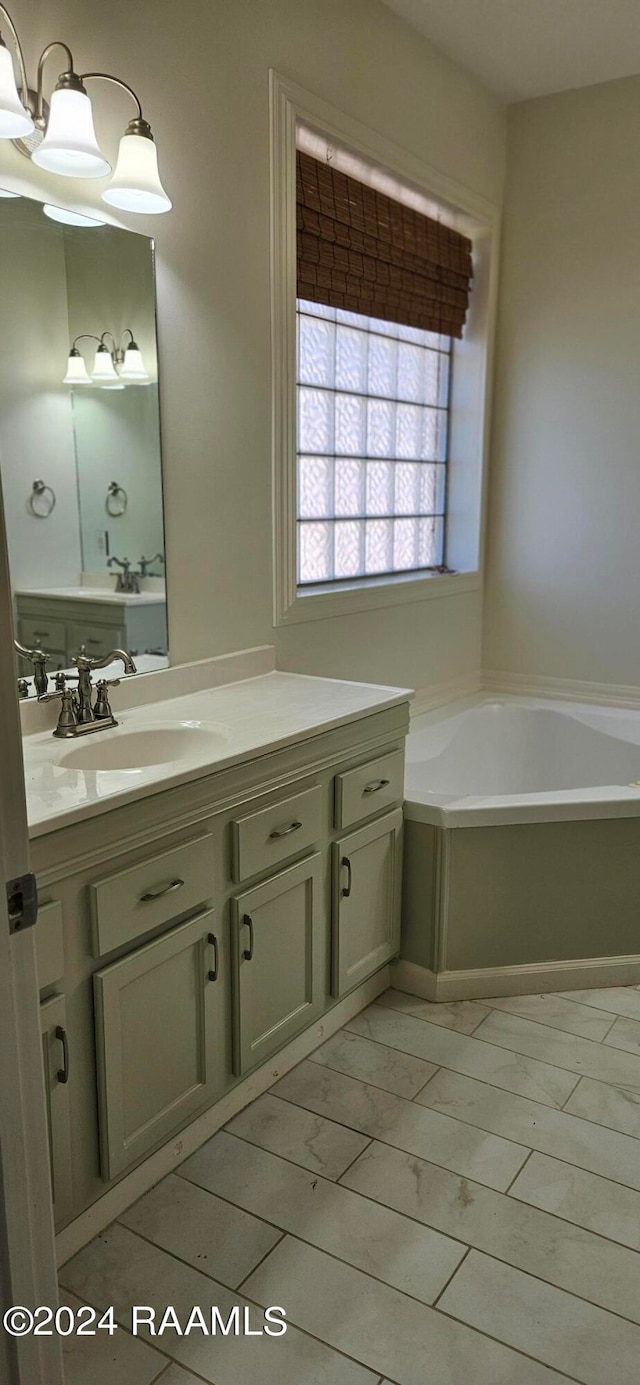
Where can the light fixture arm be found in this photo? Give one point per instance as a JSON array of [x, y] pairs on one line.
[[24, 83], [137, 126], [85, 336], [72, 79]]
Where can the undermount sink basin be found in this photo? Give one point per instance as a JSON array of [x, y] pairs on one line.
[[157, 745]]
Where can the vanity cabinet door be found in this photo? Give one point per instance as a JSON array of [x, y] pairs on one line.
[[160, 1039], [367, 871], [278, 957], [57, 1071]]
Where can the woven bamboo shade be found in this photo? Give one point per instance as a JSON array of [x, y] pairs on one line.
[[361, 250]]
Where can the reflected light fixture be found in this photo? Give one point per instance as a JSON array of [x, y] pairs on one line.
[[5, 193], [61, 137], [114, 366], [69, 218]]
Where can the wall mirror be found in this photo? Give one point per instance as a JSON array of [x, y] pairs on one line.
[[80, 438]]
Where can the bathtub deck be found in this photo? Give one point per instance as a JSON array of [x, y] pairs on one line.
[[440, 1194]]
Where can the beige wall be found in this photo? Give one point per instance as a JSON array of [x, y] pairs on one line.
[[563, 595], [202, 69]]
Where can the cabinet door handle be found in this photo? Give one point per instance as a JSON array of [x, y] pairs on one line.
[[345, 862], [213, 942], [375, 785], [150, 895], [284, 831], [63, 1072], [248, 923]]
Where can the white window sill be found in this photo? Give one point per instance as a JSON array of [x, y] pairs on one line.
[[325, 602]]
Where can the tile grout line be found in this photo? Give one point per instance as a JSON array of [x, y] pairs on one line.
[[517, 1175], [451, 1277], [572, 1093], [169, 1360]]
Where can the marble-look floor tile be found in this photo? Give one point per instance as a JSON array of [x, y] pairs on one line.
[[582, 1056], [462, 1015], [295, 1133], [552, 1132], [556, 1012], [568, 1334], [464, 1054], [625, 1034], [222, 1241], [382, 1328], [383, 1116], [525, 1237], [618, 1000], [105, 1359], [382, 1067], [174, 1376], [375, 1239], [580, 1197], [615, 1107], [120, 1268]]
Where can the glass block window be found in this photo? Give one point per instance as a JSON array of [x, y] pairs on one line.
[[372, 416]]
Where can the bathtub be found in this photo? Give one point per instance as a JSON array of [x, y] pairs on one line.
[[522, 848], [516, 760]]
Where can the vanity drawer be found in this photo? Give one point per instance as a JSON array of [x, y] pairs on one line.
[[369, 788], [98, 640], [38, 630], [131, 903], [266, 838], [49, 945]]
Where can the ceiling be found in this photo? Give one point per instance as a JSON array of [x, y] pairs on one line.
[[525, 48]]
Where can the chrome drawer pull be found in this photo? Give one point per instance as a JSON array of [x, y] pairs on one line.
[[63, 1073], [164, 889], [347, 889], [248, 923], [375, 785], [213, 942], [284, 831]]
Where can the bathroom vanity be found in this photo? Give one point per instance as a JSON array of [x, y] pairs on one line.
[[198, 913]]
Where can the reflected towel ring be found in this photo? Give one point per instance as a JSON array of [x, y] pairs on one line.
[[117, 500], [42, 500]]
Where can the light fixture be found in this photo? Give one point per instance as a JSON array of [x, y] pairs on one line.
[[129, 363], [69, 218], [104, 371], [15, 121], [5, 193], [77, 373], [132, 365], [136, 186], [62, 139]]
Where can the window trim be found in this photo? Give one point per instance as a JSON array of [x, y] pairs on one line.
[[290, 104]]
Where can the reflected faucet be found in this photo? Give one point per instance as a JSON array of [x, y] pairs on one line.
[[39, 660], [127, 580]]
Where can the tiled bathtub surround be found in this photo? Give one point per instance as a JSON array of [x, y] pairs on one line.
[[441, 1194]]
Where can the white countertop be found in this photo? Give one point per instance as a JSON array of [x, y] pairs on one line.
[[99, 595], [246, 719]]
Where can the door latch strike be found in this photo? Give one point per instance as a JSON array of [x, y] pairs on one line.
[[22, 903]]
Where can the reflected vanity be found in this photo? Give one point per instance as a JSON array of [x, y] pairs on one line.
[[81, 462]]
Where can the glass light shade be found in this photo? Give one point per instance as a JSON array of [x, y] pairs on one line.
[[4, 193], [136, 186], [104, 371], [15, 121], [70, 218], [77, 373], [70, 146], [113, 387], [133, 366]]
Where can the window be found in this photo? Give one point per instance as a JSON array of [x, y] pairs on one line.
[[372, 427], [380, 413]]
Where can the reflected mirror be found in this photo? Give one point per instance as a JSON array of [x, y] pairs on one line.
[[80, 439]]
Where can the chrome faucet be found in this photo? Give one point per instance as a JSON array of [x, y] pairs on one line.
[[77, 714], [145, 564], [127, 581], [39, 660]]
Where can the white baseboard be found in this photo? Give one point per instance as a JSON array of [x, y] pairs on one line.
[[439, 694], [140, 1180], [531, 979], [564, 689]]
